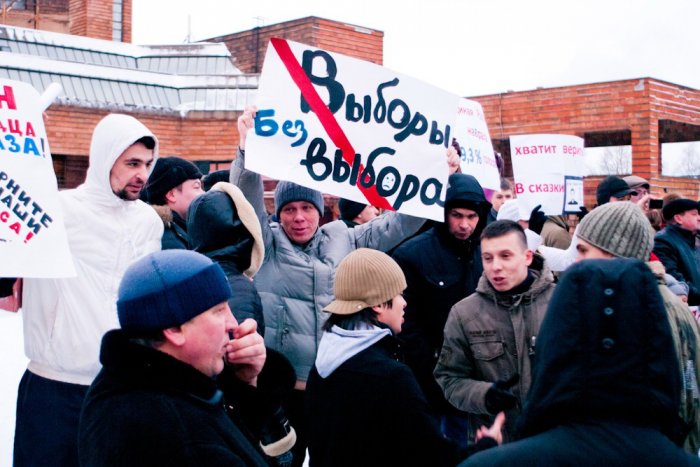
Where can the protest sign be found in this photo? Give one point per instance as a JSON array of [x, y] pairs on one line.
[[353, 129], [548, 170], [32, 235], [476, 150]]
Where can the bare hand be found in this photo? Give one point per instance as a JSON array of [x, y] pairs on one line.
[[245, 123], [453, 160], [495, 431], [643, 202], [246, 352]]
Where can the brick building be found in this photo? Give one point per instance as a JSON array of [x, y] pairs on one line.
[[191, 94], [248, 47], [643, 113]]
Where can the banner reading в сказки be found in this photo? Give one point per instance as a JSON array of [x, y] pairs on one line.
[[548, 171], [32, 235], [362, 132]]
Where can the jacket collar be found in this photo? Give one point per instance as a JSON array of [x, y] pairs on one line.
[[686, 235], [145, 367], [543, 278]]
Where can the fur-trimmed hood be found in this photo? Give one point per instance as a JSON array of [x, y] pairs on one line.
[[222, 225]]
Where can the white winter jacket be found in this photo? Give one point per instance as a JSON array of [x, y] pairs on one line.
[[65, 319]]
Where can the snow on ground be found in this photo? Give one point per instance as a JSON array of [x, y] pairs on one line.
[[11, 369]]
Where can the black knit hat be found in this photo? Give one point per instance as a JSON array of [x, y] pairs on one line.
[[168, 288], [288, 192], [168, 173], [612, 186], [679, 206], [350, 209]]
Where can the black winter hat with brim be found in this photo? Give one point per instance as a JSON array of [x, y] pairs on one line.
[[679, 206], [612, 186], [168, 173], [350, 209]]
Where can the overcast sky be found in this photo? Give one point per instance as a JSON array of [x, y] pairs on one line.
[[474, 47]]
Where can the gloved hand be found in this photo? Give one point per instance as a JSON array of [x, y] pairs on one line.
[[499, 398], [537, 220]]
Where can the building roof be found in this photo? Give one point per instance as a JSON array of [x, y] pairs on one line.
[[116, 75]]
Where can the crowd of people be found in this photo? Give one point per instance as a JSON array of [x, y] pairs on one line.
[[201, 329]]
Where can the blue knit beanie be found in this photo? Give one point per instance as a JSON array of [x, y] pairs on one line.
[[287, 192], [168, 288]]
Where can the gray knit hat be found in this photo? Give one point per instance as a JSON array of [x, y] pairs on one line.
[[365, 278], [287, 192], [168, 288], [620, 229]]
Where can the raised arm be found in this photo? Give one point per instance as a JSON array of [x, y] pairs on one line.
[[250, 183]]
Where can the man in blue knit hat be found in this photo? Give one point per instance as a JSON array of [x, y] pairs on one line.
[[179, 372]]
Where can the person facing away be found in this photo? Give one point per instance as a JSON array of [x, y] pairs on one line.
[[182, 384], [223, 226], [605, 387], [622, 230], [296, 277], [363, 405], [171, 187], [442, 266], [485, 365], [675, 245], [108, 228]]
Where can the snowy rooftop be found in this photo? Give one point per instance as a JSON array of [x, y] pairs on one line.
[[99, 73]]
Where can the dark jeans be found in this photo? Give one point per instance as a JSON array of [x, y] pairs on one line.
[[455, 427], [46, 431]]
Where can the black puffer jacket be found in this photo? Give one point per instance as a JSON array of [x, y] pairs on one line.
[[370, 412], [147, 408], [215, 230], [605, 387], [174, 229], [440, 271]]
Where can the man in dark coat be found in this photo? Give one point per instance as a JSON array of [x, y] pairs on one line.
[[605, 387], [182, 384], [170, 189], [675, 245], [442, 266]]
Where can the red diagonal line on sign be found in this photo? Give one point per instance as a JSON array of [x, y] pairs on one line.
[[325, 116]]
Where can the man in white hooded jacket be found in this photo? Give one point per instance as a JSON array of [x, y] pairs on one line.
[[108, 228]]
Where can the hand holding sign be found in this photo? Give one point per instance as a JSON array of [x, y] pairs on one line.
[[359, 131], [453, 162], [245, 123]]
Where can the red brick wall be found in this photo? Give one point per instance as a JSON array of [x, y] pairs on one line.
[[635, 105], [93, 18], [69, 131], [248, 47]]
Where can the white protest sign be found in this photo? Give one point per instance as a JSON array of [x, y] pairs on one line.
[[548, 170], [32, 235], [476, 151], [353, 129]]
